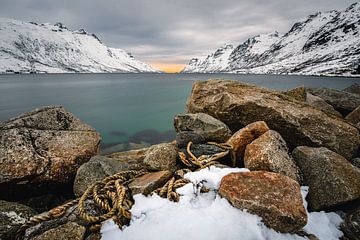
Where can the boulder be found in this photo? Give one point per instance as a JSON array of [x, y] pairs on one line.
[[45, 145], [245, 136], [100, 167], [238, 104], [354, 116], [149, 182], [343, 102], [354, 88], [183, 138], [68, 231], [209, 127], [298, 93], [270, 153], [332, 180], [351, 225], [161, 157], [321, 104], [274, 197], [12, 216]]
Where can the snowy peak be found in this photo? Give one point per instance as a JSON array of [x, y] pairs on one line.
[[324, 43], [32, 47]]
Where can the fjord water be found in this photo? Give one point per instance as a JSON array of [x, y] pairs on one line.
[[128, 107]]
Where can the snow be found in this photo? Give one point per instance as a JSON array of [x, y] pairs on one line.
[[55, 49], [207, 216]]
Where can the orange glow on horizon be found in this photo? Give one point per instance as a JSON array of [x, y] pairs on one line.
[[169, 67]]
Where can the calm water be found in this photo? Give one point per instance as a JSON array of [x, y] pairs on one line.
[[139, 107]]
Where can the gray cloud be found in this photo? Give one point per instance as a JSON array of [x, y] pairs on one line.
[[170, 31]]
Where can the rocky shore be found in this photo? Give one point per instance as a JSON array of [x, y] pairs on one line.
[[285, 140]]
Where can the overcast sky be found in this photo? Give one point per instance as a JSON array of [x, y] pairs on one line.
[[170, 31]]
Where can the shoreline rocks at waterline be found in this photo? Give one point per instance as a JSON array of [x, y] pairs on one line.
[[274, 197], [238, 104], [45, 145]]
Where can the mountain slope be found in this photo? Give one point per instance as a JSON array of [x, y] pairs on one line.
[[323, 44], [32, 47]]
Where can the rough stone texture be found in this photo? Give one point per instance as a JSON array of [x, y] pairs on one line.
[[183, 138], [343, 102], [274, 197], [332, 180], [100, 167], [354, 88], [161, 157], [245, 136], [356, 162], [298, 93], [68, 231], [270, 153], [354, 116], [351, 225], [209, 127], [202, 149], [321, 104], [238, 104], [12, 216], [45, 145], [149, 182]]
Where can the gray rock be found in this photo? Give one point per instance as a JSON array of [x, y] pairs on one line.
[[354, 88], [238, 104], [100, 167], [343, 102], [45, 145], [356, 162], [351, 225], [321, 104], [12, 216], [332, 180], [270, 153], [183, 138], [209, 127], [68, 231], [161, 157]]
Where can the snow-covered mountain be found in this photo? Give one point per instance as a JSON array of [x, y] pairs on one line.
[[325, 43], [31, 47]]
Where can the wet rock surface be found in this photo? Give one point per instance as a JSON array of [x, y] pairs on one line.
[[270, 153], [203, 124], [12, 216], [161, 157], [332, 180], [274, 197], [45, 145], [238, 104]]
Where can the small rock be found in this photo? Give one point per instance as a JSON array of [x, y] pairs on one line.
[[149, 182], [356, 162], [209, 127], [321, 104], [274, 197], [161, 157], [45, 145], [351, 225], [270, 153], [98, 168], [298, 93], [183, 138], [332, 180], [354, 88], [202, 149], [343, 102], [12, 216], [68, 231], [354, 116], [245, 136]]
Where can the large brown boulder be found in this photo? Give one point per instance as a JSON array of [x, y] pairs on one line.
[[238, 104], [332, 180], [270, 153], [245, 136], [274, 197], [45, 145], [343, 102]]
